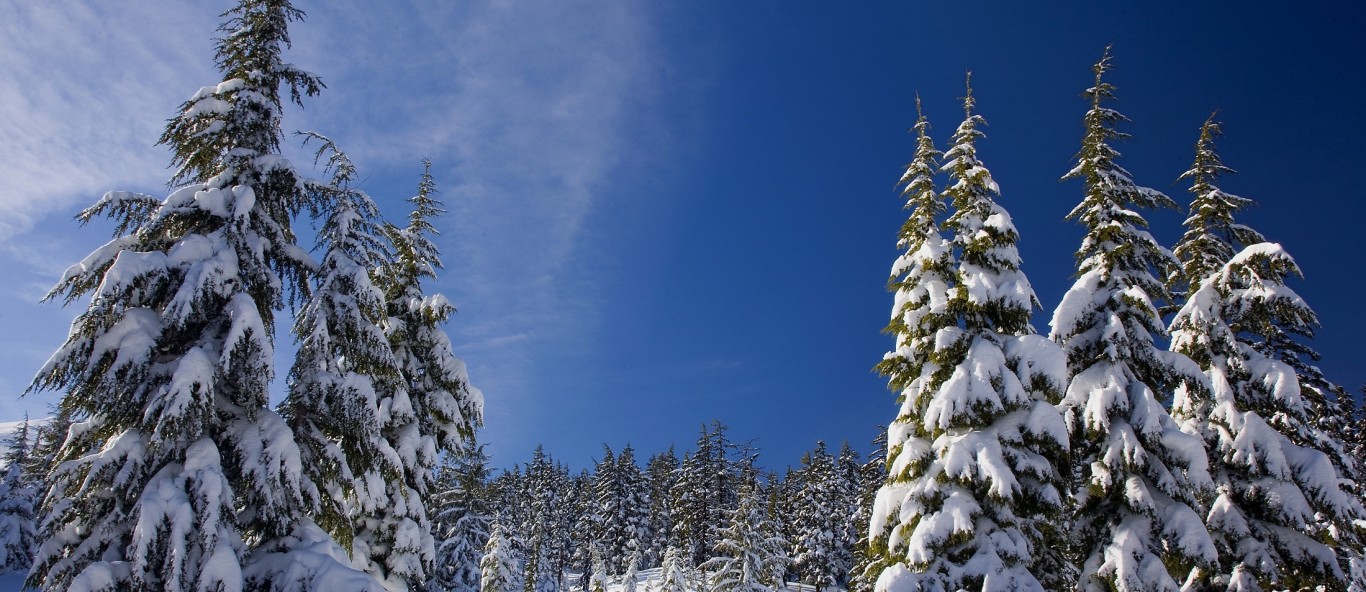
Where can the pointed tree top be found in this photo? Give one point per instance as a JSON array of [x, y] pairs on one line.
[[968, 101]]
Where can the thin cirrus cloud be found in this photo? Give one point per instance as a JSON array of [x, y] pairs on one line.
[[87, 90], [526, 109]]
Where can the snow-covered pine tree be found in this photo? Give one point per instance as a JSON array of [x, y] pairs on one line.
[[610, 512], [920, 280], [582, 519], [922, 276], [176, 474], [18, 494], [1212, 236], [662, 472], [343, 360], [748, 553], [546, 524], [597, 579], [975, 469], [630, 578], [1139, 473], [852, 524], [675, 573], [818, 519], [1272, 492], [705, 493], [635, 509], [498, 567], [434, 409], [1269, 490], [461, 519], [864, 569]]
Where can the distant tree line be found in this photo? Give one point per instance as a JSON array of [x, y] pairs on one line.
[[712, 519]]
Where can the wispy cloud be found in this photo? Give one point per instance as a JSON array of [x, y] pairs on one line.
[[88, 87], [526, 108]]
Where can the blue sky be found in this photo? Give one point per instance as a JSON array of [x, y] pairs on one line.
[[663, 213]]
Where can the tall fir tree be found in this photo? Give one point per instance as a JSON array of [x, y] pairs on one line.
[[1139, 474], [922, 276], [433, 410], [1269, 491], [609, 522], [920, 280], [865, 566], [1212, 236], [343, 360], [1273, 488], [176, 475], [706, 492], [975, 470]]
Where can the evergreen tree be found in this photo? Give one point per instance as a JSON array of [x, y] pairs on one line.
[[432, 411], [609, 524], [630, 579], [920, 280], [498, 566], [18, 492], [975, 471], [922, 276], [597, 581], [1272, 484], [1139, 474], [461, 520], [635, 509], [176, 474], [1269, 490], [662, 472], [706, 492], [817, 521], [748, 554], [865, 567], [675, 574], [1212, 236], [852, 524], [343, 360]]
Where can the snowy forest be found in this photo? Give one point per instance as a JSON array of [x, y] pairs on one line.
[[1168, 431]]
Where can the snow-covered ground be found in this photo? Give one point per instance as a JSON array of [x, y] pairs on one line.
[[14, 583]]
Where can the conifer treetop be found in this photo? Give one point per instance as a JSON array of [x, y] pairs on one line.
[[1212, 237], [922, 276], [991, 291]]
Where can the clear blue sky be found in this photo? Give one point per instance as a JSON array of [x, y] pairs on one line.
[[664, 213]]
